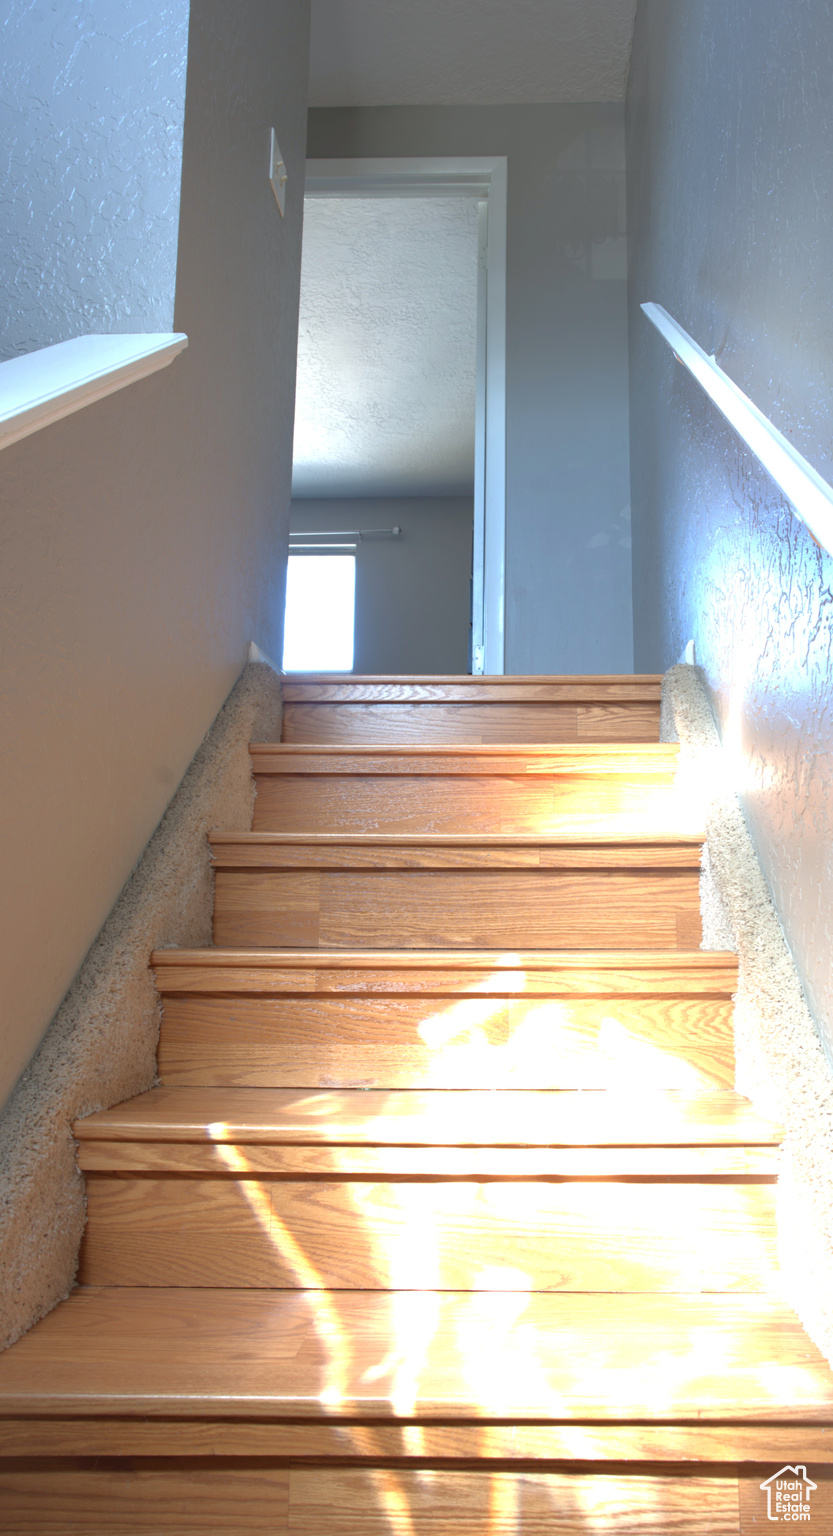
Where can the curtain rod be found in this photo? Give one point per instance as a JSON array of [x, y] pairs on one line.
[[348, 533]]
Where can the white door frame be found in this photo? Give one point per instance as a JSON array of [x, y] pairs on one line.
[[483, 178]]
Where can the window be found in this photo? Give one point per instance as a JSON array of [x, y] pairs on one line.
[[320, 613]]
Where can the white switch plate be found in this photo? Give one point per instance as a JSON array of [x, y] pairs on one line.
[[277, 171]]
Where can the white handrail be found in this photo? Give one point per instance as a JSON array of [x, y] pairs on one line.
[[810, 495], [43, 386]]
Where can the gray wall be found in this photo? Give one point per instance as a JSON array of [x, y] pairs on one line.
[[730, 196], [568, 602], [412, 593], [143, 538], [92, 97]]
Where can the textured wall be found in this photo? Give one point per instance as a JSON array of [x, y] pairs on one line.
[[373, 53], [92, 96], [568, 600], [730, 197], [101, 1046], [387, 342], [780, 1060], [413, 594], [143, 538]]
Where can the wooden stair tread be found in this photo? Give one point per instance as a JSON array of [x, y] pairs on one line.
[[723, 1163], [480, 1443], [430, 793], [582, 849], [434, 1118], [554, 839], [460, 853], [715, 967], [180, 1353], [311, 688], [440, 1021], [480, 973], [445, 974], [658, 759]]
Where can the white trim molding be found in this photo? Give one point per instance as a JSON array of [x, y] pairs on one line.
[[483, 178], [43, 386], [452, 176], [810, 495]]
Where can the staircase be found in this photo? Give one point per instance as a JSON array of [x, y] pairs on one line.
[[445, 1217]]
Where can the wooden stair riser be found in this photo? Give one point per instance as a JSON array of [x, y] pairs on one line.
[[158, 1496], [467, 908], [112, 1498], [532, 973], [363, 1235], [446, 1041], [445, 803], [346, 724]]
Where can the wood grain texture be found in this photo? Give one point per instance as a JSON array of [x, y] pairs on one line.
[[352, 1118], [703, 1164], [328, 1235], [398, 1502], [615, 847], [323, 686], [267, 908], [437, 803], [488, 973], [770, 1444], [445, 1235], [465, 908], [124, 1497], [160, 1497], [345, 724], [478, 1041], [371, 1355], [528, 759]]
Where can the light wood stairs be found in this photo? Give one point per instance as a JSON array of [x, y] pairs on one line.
[[445, 1217]]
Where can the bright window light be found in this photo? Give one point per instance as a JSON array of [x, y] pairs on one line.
[[320, 611]]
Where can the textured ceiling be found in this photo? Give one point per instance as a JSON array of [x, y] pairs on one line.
[[386, 348], [468, 52]]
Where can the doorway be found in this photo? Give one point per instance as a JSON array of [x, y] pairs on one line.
[[477, 188]]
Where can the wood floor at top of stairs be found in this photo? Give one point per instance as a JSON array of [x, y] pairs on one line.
[[445, 1172]]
